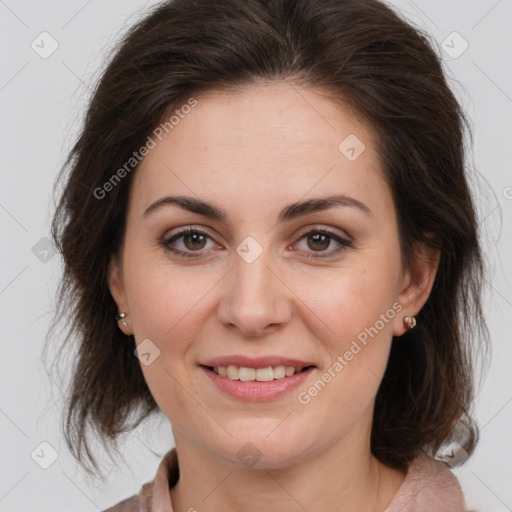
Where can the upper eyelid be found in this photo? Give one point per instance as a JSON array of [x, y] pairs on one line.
[[303, 231], [185, 231], [321, 228]]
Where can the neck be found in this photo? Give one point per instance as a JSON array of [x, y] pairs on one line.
[[345, 477]]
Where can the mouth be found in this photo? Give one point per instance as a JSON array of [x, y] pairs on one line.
[[264, 374], [256, 380]]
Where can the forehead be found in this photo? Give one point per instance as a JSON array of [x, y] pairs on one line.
[[266, 141]]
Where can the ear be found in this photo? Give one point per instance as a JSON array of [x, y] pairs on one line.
[[416, 283], [117, 290]]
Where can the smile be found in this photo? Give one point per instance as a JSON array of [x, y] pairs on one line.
[[246, 374], [260, 384]]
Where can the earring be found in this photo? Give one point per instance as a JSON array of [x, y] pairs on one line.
[[119, 317], [410, 321]]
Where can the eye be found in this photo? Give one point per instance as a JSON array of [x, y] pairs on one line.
[[319, 240], [193, 242], [188, 240]]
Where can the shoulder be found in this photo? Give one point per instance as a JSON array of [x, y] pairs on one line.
[[429, 485], [141, 502], [131, 504], [156, 492]]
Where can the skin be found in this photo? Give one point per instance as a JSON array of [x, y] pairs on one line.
[[251, 153]]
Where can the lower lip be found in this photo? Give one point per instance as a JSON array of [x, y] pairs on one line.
[[255, 391]]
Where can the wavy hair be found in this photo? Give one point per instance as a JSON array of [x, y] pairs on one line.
[[363, 54]]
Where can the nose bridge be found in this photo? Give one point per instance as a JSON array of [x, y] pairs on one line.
[[255, 299]]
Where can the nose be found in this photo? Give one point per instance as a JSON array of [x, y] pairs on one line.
[[255, 301]]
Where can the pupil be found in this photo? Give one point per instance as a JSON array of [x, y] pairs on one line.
[[195, 239], [323, 238]]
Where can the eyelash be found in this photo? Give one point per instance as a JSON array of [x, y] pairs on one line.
[[165, 242]]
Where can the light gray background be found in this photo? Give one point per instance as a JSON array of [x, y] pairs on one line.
[[41, 104]]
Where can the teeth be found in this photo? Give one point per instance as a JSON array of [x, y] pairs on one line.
[[246, 373], [232, 372], [280, 371], [289, 371], [259, 374], [264, 374]]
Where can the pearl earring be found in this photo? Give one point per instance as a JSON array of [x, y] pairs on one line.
[[119, 317], [410, 321]]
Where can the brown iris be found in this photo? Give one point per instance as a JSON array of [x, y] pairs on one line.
[[195, 238], [320, 241]]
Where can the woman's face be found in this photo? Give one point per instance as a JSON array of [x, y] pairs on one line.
[[268, 277]]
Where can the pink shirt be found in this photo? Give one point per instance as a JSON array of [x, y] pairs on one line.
[[428, 486]]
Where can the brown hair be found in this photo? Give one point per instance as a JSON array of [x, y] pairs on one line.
[[364, 54]]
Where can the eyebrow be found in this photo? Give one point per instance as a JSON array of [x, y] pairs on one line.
[[288, 213]]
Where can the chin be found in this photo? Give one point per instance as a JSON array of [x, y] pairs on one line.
[[261, 450]]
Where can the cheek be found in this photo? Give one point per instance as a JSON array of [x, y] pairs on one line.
[[351, 314], [348, 303], [353, 320], [164, 303], [168, 309]]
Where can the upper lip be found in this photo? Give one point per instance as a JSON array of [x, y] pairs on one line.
[[255, 362]]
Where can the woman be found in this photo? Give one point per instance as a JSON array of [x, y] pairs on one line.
[[268, 236]]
